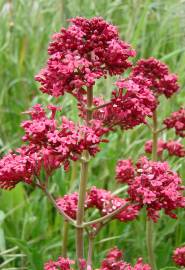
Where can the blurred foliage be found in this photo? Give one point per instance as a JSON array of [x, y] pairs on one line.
[[30, 229]]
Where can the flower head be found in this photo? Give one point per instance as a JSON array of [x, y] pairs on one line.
[[157, 74], [179, 256], [101, 199], [156, 187], [60, 264], [124, 171], [19, 166], [161, 146], [50, 145], [175, 148], [177, 121], [130, 105], [114, 261], [87, 50]]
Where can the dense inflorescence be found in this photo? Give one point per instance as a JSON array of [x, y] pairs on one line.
[[155, 186], [86, 51], [174, 148], [161, 145], [18, 166], [131, 103], [101, 199], [179, 256], [157, 74], [90, 49], [177, 121], [50, 145], [124, 170], [60, 264], [114, 261]]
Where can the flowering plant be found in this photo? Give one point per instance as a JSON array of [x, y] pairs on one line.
[[90, 49]]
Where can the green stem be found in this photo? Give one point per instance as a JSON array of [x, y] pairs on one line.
[[149, 223], [83, 186], [90, 252], [65, 238]]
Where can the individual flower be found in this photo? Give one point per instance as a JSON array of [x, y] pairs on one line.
[[60, 264], [87, 50], [124, 171], [179, 256], [158, 75], [114, 261], [177, 121], [156, 187], [101, 199]]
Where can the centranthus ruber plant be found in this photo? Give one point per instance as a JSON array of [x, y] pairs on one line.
[[90, 49]]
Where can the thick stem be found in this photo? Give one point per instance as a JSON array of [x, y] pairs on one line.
[[83, 186], [149, 223], [65, 238], [80, 212]]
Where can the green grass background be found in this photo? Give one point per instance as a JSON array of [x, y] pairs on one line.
[[30, 229]]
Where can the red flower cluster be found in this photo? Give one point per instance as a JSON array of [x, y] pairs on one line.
[[86, 51], [179, 256], [130, 104], [124, 171], [161, 145], [50, 144], [157, 74], [114, 261], [60, 264], [101, 199], [177, 121], [155, 186], [174, 148], [19, 166]]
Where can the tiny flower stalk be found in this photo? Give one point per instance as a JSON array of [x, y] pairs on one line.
[[83, 185], [149, 223]]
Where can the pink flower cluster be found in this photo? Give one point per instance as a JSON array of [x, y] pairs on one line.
[[130, 104], [124, 171], [161, 145], [177, 121], [114, 261], [174, 148], [157, 74], [60, 264], [86, 51], [101, 199], [154, 185], [19, 166], [179, 256], [50, 145]]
